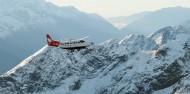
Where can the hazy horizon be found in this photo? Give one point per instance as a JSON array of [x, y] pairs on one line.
[[115, 8]]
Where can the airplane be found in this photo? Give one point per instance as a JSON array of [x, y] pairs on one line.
[[71, 44]]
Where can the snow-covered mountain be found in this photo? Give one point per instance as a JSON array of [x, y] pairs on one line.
[[155, 20], [157, 64], [24, 23]]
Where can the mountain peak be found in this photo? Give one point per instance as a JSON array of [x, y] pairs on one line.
[[155, 20], [135, 65], [32, 19]]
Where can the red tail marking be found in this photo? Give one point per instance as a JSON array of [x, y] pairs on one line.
[[52, 42]]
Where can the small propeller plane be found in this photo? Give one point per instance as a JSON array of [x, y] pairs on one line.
[[71, 44]]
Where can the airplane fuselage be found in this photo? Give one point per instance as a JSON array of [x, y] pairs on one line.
[[72, 44]]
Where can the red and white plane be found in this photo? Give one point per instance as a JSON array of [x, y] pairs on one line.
[[71, 44]]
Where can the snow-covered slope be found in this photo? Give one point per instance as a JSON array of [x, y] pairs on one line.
[[133, 65], [155, 20], [24, 23]]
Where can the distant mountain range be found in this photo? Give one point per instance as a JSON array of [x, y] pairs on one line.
[[24, 23], [148, 22], [122, 21]]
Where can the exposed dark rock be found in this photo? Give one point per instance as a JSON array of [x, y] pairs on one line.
[[160, 53], [122, 58], [35, 76], [168, 77], [76, 85]]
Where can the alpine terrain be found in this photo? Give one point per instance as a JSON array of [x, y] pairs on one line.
[[157, 64], [24, 23]]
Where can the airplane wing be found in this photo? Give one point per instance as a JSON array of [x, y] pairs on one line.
[[84, 38]]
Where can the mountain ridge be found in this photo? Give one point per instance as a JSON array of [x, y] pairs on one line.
[[146, 23], [135, 64], [24, 24]]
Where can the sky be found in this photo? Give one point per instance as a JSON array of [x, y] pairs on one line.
[[114, 8]]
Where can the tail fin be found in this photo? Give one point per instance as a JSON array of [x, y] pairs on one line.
[[51, 42]]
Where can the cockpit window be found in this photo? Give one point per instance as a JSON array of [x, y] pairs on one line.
[[82, 41]]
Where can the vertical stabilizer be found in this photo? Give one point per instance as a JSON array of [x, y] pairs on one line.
[[52, 42]]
